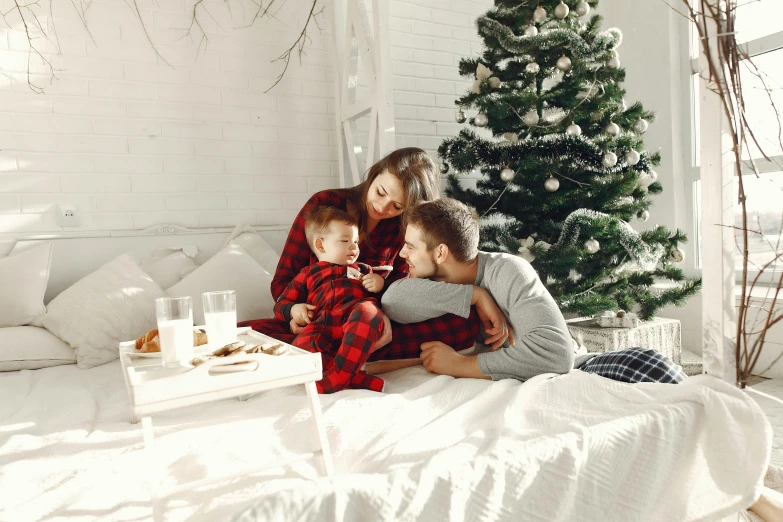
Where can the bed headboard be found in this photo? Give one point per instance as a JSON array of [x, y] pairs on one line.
[[76, 254]]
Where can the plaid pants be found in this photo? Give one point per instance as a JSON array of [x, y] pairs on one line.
[[634, 365]]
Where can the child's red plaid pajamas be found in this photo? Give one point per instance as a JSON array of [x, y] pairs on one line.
[[387, 241], [345, 326]]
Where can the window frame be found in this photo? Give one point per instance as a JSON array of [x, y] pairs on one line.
[[692, 130]]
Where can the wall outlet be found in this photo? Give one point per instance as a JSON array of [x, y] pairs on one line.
[[68, 216]]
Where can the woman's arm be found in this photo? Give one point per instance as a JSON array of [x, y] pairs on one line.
[[295, 293], [296, 253]]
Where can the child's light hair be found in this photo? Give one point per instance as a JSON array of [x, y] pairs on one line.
[[318, 220]]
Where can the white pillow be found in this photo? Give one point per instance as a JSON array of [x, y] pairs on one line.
[[255, 245], [30, 348], [230, 269], [166, 265], [115, 303], [23, 279]]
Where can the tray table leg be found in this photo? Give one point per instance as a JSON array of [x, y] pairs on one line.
[[147, 433], [315, 407]]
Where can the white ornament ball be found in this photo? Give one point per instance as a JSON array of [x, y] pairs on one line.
[[539, 15], [653, 176], [632, 157], [552, 184], [592, 246], [614, 54], [610, 159], [644, 216], [561, 11], [640, 125], [531, 30], [530, 118], [460, 116], [613, 63], [574, 130], [582, 8], [507, 174], [613, 129], [444, 168], [481, 120], [677, 255], [564, 63], [532, 68]]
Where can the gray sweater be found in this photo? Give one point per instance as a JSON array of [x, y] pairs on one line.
[[543, 343]]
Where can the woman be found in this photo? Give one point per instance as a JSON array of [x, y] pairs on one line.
[[394, 184]]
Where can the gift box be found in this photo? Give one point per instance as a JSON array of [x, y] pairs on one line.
[[620, 319], [659, 333]]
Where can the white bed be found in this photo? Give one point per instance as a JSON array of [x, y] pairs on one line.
[[573, 447]]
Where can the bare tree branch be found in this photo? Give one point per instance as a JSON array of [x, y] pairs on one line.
[[299, 44]]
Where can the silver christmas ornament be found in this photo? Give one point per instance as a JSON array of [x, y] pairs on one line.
[[564, 63], [612, 129], [481, 120], [632, 157], [677, 255], [531, 118], [610, 159], [552, 184], [531, 30], [574, 130], [592, 246], [613, 63], [460, 116], [561, 11], [644, 215], [582, 8], [532, 68], [640, 125], [444, 168], [507, 174], [539, 15], [653, 176]]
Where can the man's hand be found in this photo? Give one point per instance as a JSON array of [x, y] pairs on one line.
[[301, 315], [442, 359], [372, 282], [495, 323]]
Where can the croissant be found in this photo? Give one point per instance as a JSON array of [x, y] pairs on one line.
[[150, 341]]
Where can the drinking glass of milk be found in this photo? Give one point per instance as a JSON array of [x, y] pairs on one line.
[[220, 317], [175, 328]]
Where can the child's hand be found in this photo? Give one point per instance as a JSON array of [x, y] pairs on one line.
[[302, 313], [372, 282]]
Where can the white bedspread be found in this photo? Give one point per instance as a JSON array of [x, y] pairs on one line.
[[574, 447]]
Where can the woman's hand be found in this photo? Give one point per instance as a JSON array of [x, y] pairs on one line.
[[372, 282], [494, 320], [301, 315]]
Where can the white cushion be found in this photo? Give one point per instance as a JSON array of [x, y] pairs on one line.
[[30, 348], [166, 265], [23, 280], [230, 269], [255, 245], [115, 303]]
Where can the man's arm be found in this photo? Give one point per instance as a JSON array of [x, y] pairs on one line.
[[414, 300]]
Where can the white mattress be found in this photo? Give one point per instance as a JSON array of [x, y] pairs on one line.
[[573, 447]]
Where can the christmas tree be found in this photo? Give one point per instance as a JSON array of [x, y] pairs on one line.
[[565, 169]]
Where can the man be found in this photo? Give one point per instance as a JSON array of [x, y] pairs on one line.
[[441, 249]]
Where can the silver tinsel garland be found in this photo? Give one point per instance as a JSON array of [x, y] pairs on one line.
[[552, 39], [630, 239]]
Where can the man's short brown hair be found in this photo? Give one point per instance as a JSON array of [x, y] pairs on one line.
[[449, 222], [318, 220]]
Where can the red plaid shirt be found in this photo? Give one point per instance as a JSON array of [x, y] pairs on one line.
[[386, 237]]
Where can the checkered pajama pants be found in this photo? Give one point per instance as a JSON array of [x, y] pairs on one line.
[[634, 365]]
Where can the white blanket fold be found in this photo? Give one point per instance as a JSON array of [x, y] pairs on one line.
[[572, 447]]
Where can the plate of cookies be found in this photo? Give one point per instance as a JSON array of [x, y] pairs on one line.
[[148, 345]]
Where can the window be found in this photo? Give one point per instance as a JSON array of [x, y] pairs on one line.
[[759, 29]]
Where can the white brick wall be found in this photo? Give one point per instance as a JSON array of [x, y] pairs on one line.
[[133, 142]]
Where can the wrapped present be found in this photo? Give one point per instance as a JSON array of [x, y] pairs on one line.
[[619, 319], [659, 333]]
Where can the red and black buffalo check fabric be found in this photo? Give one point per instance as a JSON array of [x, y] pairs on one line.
[[345, 326]]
